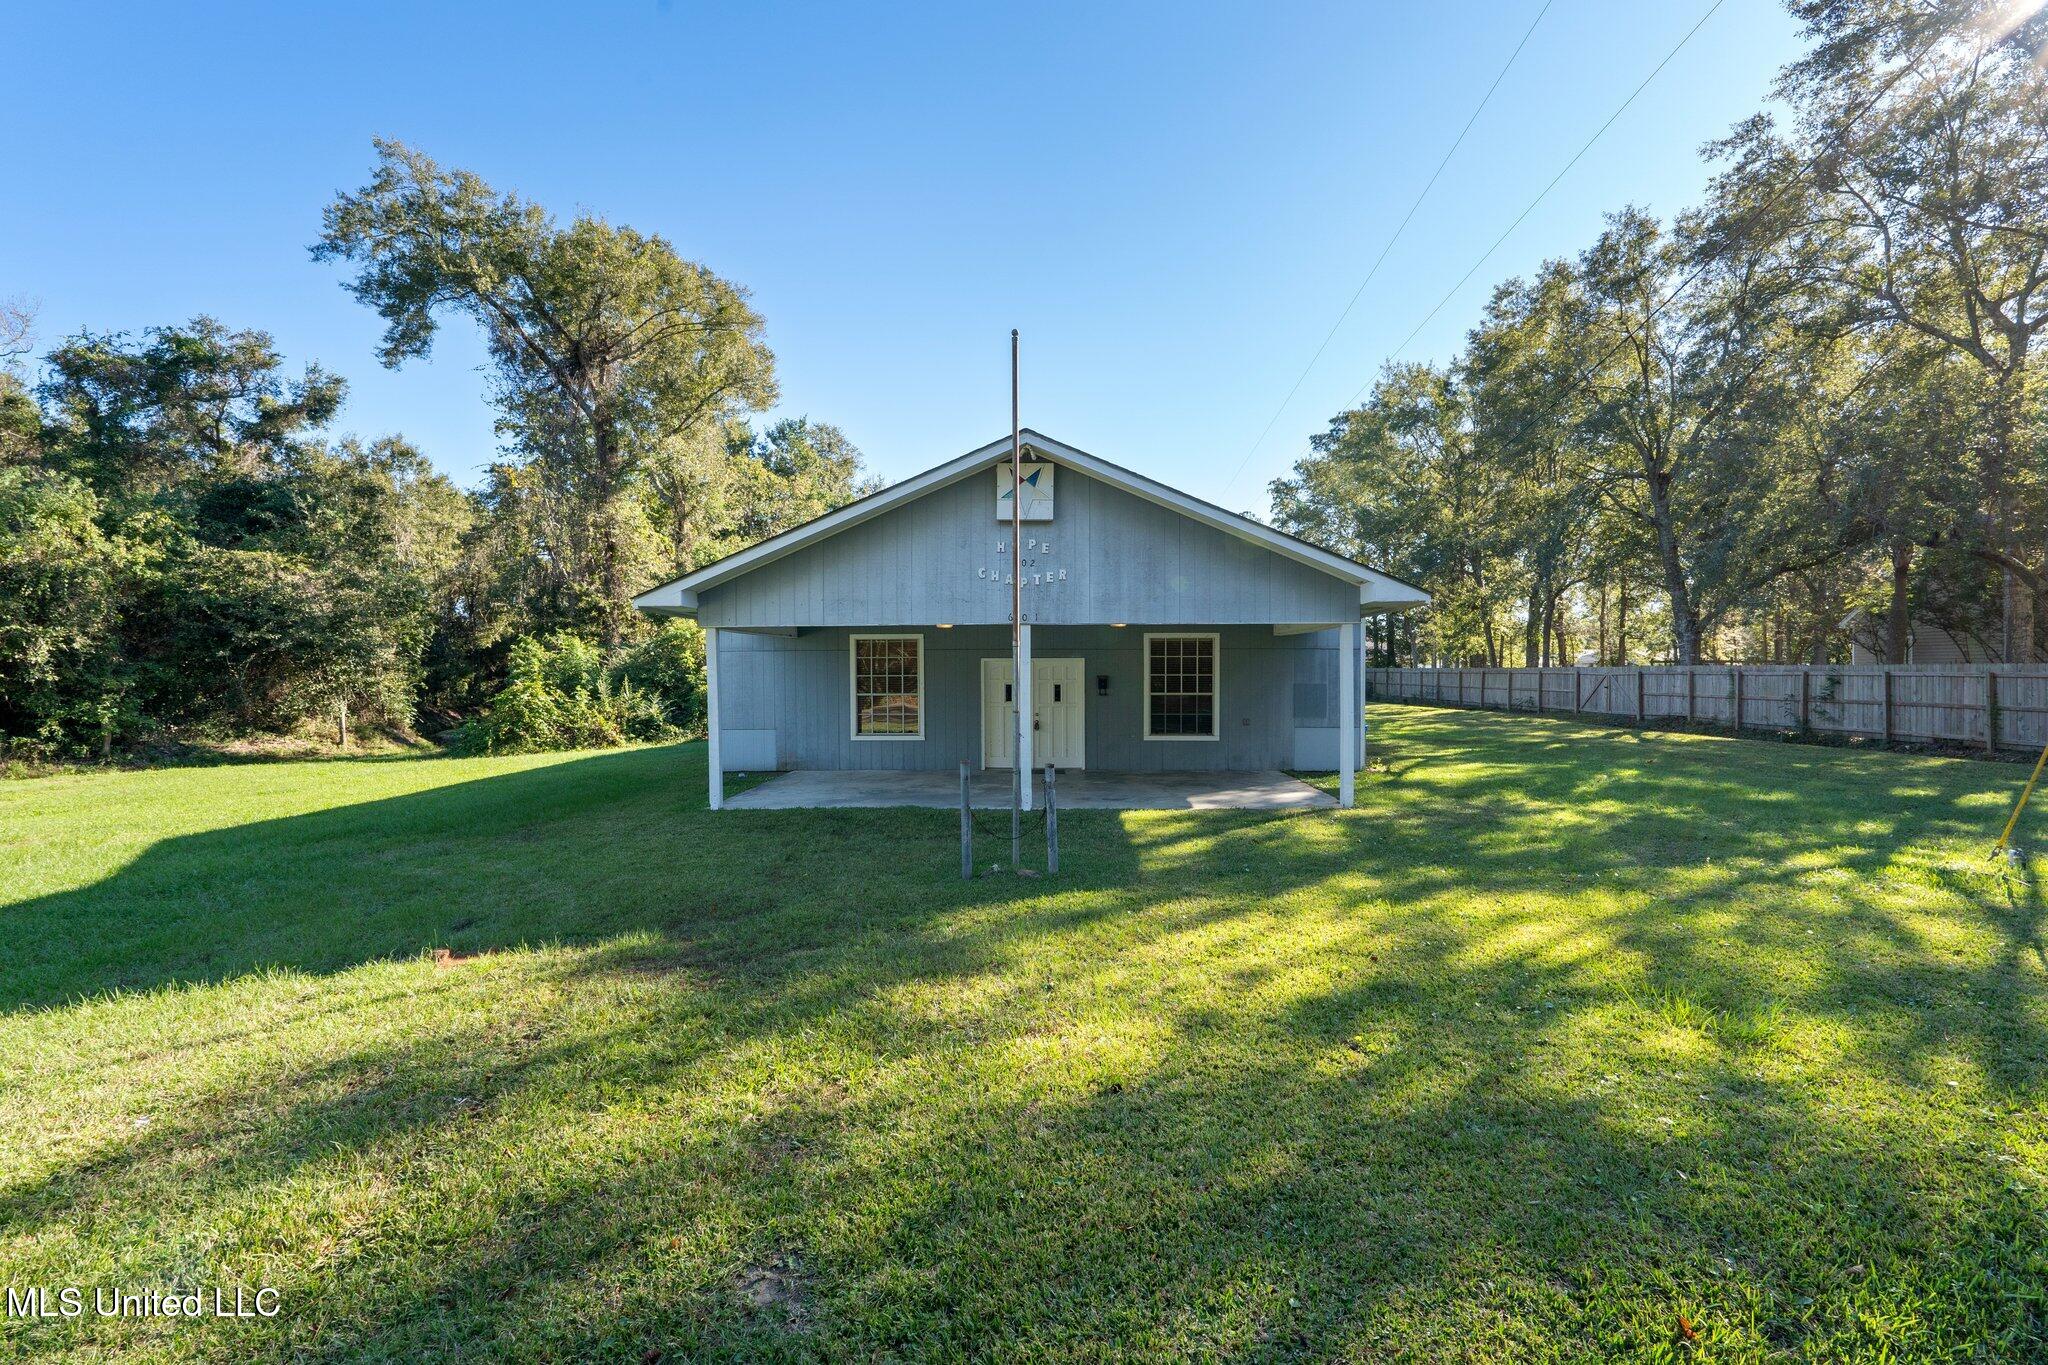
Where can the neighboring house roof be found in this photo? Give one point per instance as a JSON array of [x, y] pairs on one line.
[[1378, 591]]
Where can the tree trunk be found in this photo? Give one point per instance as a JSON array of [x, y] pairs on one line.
[[1685, 624], [1998, 503], [1601, 648], [1819, 653], [1532, 628], [1898, 624], [2016, 599], [1621, 624], [611, 554]]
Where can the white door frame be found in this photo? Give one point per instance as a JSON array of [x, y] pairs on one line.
[[981, 704]]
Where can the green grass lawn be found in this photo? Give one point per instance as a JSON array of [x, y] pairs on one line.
[[1569, 1042]]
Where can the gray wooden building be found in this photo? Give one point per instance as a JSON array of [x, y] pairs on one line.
[[1161, 633]]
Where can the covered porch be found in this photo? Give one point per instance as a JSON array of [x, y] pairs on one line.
[[1159, 637], [1164, 716], [989, 789]]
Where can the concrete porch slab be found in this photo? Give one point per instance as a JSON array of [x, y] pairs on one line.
[[990, 790]]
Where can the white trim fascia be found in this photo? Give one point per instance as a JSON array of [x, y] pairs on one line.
[[670, 599], [679, 596], [853, 685], [1383, 594], [1215, 640]]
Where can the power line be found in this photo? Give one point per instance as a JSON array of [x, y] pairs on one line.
[[1531, 208], [1586, 373], [1359, 292]]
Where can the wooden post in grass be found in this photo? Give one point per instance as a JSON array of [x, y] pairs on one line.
[[1052, 825], [1887, 708], [1639, 696], [1737, 672], [1806, 699], [1578, 698], [966, 829], [1692, 694]]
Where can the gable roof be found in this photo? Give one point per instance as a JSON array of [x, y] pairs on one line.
[[1377, 590]]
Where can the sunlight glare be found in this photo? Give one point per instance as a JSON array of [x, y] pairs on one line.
[[2000, 21]]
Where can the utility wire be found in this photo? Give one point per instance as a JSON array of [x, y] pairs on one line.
[[1359, 292], [1586, 373], [1577, 156]]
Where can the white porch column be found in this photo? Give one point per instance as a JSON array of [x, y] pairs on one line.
[[711, 725], [1347, 716], [1024, 717], [1364, 714]]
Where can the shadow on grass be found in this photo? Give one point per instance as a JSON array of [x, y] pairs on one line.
[[1569, 1033]]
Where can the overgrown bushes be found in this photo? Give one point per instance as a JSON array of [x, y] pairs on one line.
[[60, 681], [669, 662], [190, 555], [563, 693]]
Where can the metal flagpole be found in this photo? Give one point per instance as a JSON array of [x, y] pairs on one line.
[[1016, 616]]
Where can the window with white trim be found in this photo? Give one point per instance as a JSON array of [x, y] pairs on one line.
[[888, 686], [1180, 687]]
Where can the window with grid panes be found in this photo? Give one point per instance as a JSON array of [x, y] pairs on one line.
[[888, 696], [1180, 687]]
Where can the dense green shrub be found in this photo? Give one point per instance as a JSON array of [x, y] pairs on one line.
[[233, 641], [561, 695], [62, 684], [669, 662]]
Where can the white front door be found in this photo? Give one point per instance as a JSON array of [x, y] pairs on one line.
[[1059, 731]]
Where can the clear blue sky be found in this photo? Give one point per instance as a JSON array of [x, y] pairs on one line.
[[1172, 201]]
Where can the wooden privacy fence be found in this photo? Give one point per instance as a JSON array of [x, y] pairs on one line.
[[1984, 706]]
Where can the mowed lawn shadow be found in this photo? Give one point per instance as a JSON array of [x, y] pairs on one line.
[[1565, 1035], [573, 851]]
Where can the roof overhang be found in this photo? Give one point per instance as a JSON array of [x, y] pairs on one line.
[[1377, 591], [1383, 593]]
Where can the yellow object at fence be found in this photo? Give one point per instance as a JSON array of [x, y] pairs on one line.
[[2004, 843]]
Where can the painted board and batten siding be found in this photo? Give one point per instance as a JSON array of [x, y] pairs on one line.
[[1127, 559], [786, 700]]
